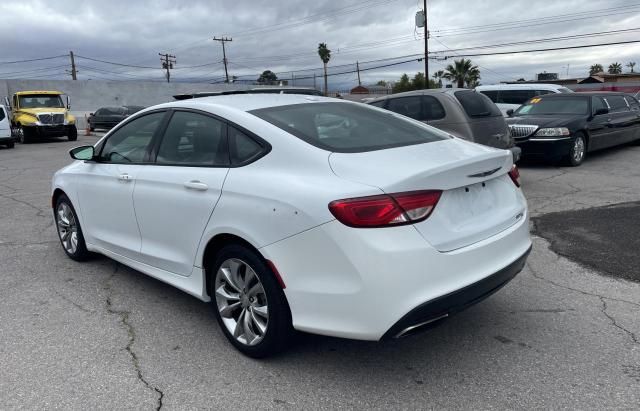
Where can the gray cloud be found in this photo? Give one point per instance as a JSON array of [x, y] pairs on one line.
[[133, 32]]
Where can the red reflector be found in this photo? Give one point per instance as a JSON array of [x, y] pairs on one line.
[[385, 210], [276, 273], [514, 173]]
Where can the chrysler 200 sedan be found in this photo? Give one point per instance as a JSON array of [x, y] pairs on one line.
[[293, 212]]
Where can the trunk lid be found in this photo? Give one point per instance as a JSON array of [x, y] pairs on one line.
[[478, 197]]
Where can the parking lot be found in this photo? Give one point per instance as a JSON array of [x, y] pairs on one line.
[[565, 333]]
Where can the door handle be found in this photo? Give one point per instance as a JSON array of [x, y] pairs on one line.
[[125, 177], [196, 185]]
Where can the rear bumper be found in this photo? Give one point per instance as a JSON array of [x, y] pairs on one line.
[[546, 148], [450, 304], [362, 283]]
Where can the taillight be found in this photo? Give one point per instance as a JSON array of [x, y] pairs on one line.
[[385, 210], [514, 173]]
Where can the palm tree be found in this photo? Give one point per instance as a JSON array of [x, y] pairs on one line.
[[325, 56], [595, 69], [462, 71], [615, 68], [439, 75], [631, 65]]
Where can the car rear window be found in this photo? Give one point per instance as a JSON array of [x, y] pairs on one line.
[[348, 127], [477, 104]]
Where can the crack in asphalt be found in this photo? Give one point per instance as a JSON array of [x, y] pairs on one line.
[[615, 323], [75, 304], [602, 298], [124, 319]]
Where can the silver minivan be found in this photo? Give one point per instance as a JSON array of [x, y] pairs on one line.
[[461, 112]]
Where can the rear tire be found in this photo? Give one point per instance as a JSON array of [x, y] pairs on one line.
[[73, 133], [578, 151], [69, 230], [248, 302]]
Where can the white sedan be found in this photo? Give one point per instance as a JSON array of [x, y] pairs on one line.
[[298, 212]]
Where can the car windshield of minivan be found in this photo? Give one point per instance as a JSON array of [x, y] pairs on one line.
[[551, 106], [348, 128]]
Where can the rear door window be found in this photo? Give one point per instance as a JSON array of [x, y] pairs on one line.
[[617, 103], [407, 106], [378, 103], [492, 94], [633, 103], [477, 104], [243, 148], [2, 114]]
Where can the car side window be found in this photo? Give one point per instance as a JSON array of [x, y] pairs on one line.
[[194, 139], [2, 114], [633, 103], [407, 106], [129, 143], [242, 147], [432, 109], [597, 103], [492, 94], [515, 96], [543, 92], [378, 103], [617, 103]]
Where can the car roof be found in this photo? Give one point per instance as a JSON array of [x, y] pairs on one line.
[[429, 91], [583, 93], [531, 86], [20, 93], [249, 101]]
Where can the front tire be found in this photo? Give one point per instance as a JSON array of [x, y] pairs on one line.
[[69, 230], [249, 303], [73, 133], [578, 151], [23, 135]]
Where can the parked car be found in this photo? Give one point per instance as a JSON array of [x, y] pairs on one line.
[[290, 212], [6, 138], [109, 117], [511, 96], [462, 113], [568, 126]]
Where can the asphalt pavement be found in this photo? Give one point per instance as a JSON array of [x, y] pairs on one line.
[[98, 335]]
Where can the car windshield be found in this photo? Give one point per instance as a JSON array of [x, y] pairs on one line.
[[550, 106], [348, 127], [40, 100]]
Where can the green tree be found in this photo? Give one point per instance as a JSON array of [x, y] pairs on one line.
[[381, 83], [615, 68], [438, 76], [595, 69], [267, 76], [325, 56], [417, 83], [462, 72], [403, 85], [631, 65]]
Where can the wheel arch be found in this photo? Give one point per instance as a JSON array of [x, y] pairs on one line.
[[56, 195], [214, 245]]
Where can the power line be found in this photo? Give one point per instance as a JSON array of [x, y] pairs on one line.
[[542, 50], [114, 63], [30, 60]]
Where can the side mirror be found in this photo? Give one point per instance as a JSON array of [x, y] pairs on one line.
[[85, 153], [91, 114], [68, 103], [510, 112], [601, 111], [7, 104]]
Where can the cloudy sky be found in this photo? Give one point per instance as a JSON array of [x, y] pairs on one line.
[[283, 36]]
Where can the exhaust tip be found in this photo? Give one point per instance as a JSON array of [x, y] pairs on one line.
[[416, 328]]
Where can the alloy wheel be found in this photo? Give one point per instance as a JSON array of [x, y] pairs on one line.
[[67, 228], [241, 301], [578, 149]]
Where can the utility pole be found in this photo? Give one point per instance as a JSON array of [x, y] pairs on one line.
[[358, 70], [74, 73], [426, 48], [224, 54], [167, 61]]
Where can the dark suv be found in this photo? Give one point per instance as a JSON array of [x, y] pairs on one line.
[[462, 113]]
